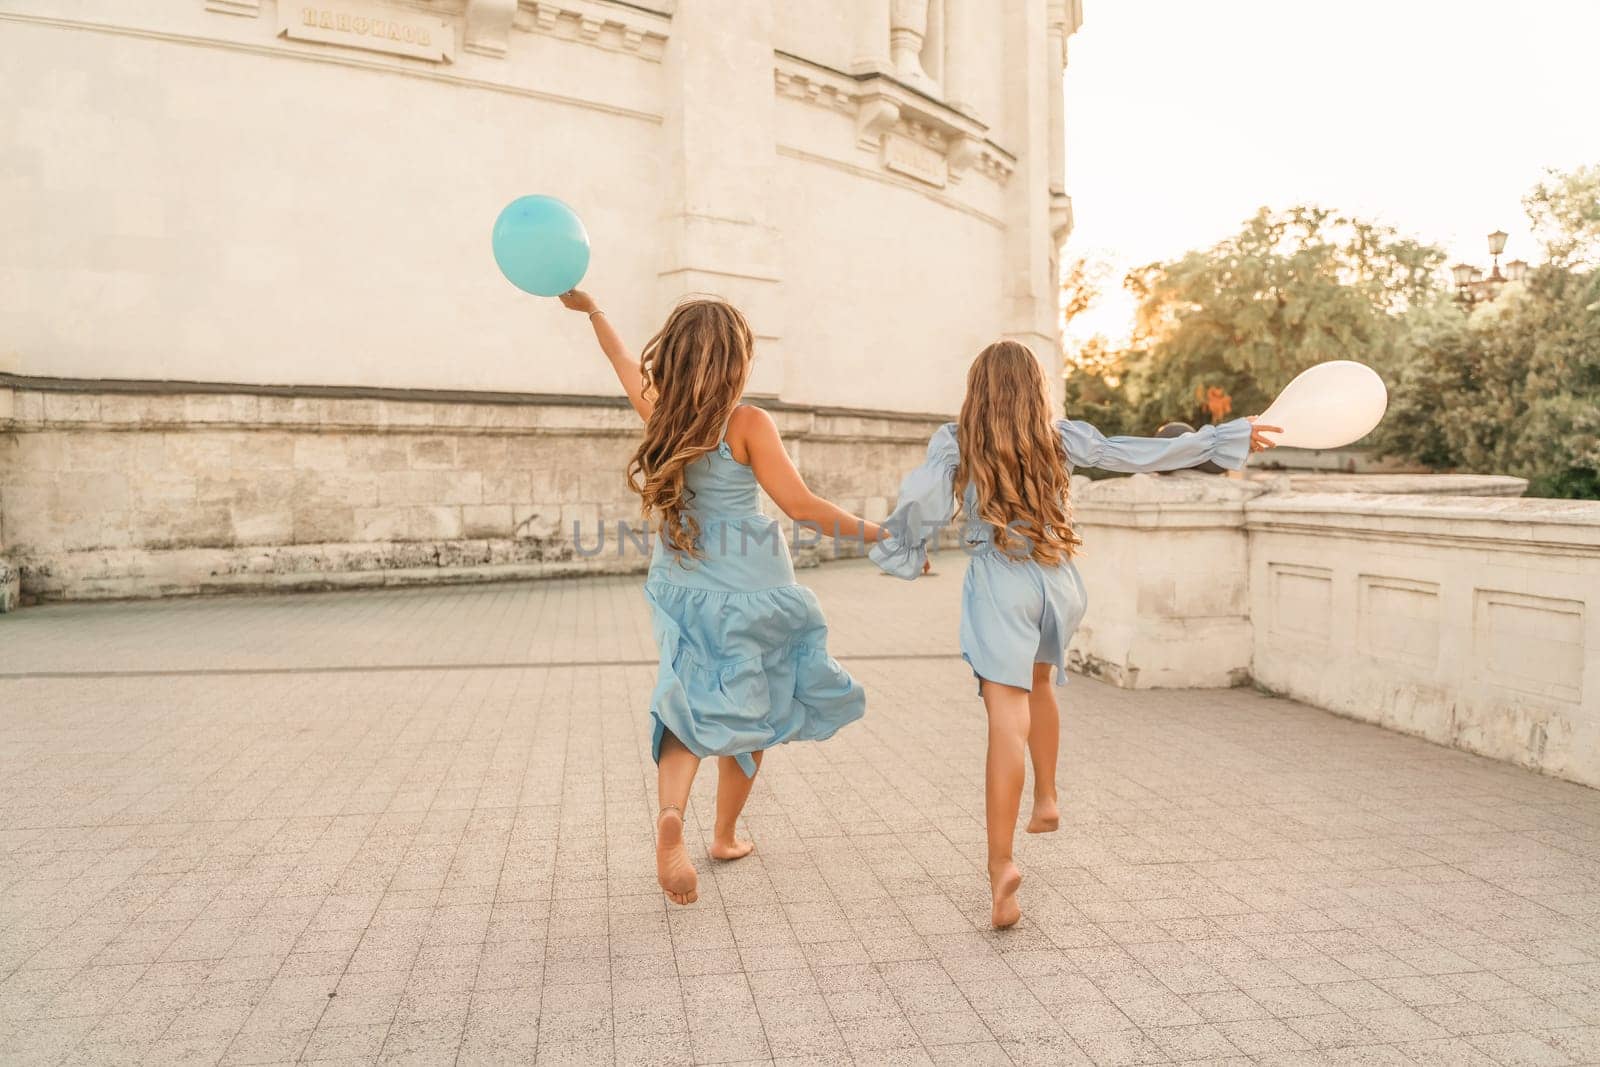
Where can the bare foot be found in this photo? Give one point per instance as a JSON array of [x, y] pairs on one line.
[[730, 849], [673, 869], [1004, 886], [1046, 817]]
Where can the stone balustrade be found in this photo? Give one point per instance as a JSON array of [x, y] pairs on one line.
[[1468, 617], [1473, 621], [1165, 563]]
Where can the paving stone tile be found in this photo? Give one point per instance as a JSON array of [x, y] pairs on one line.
[[1257, 1037], [1115, 1048], [361, 1042], [423, 803], [1520, 1050], [267, 1046]]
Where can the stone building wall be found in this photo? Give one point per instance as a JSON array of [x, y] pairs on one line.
[[256, 337], [140, 493], [222, 191]]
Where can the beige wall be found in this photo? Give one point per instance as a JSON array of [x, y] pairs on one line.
[[195, 197], [827, 31], [209, 203], [860, 340]]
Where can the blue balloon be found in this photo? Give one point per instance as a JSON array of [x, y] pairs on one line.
[[540, 245]]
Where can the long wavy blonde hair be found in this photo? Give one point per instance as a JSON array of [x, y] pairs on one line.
[[1012, 455], [695, 370]]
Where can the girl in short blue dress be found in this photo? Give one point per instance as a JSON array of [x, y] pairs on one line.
[[744, 658], [1010, 464]]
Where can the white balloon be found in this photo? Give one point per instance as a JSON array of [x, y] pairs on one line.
[[1327, 406]]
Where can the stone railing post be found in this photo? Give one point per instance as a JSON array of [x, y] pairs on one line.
[[1167, 568]]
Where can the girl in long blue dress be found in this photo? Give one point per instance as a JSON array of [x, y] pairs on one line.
[[744, 657], [1009, 463]]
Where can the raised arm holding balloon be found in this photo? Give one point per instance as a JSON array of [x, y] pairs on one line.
[[744, 663], [623, 362]]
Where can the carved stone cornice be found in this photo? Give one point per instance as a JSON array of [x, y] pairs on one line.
[[1060, 217], [487, 24], [614, 28], [920, 136], [1064, 16]]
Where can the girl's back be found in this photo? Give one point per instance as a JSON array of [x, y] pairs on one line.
[[737, 548], [1010, 465], [744, 663], [721, 487], [1009, 462]]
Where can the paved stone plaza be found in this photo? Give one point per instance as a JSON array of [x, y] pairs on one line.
[[415, 826]]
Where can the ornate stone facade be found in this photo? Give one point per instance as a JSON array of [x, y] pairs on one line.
[[254, 336]]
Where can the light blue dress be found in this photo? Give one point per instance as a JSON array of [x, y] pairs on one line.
[[744, 656], [1017, 612]]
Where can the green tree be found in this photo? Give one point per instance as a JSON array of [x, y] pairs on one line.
[[1094, 370], [1083, 282], [1564, 209], [1290, 289], [1514, 387], [1094, 390], [1557, 447], [1434, 369]]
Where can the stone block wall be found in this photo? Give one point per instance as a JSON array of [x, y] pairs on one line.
[[112, 494], [10, 580], [10, 587]]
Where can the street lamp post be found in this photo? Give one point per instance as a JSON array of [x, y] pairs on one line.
[[1474, 287]]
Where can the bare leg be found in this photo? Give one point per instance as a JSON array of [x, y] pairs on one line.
[[1003, 777], [1044, 742], [733, 789], [674, 775]]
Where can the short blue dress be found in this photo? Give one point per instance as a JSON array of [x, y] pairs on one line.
[[744, 650], [1018, 612]]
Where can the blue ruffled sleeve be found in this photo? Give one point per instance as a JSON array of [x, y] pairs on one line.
[[927, 503], [1227, 445]]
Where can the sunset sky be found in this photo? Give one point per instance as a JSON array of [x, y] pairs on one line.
[[1436, 117]]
